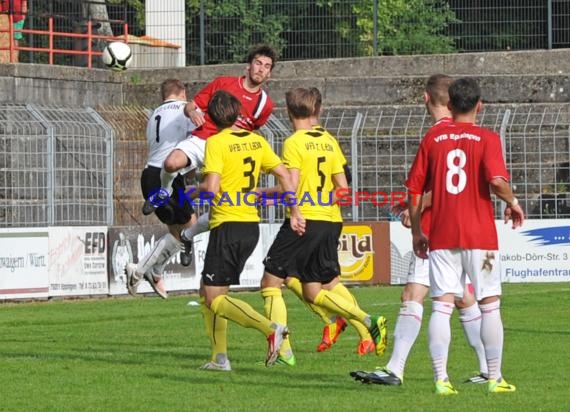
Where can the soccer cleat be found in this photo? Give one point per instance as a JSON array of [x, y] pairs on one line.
[[384, 377], [444, 388], [133, 278], [157, 285], [187, 254], [289, 361], [365, 346], [379, 333], [274, 342], [500, 386], [213, 366], [159, 198], [331, 332], [477, 379], [360, 376], [148, 208]]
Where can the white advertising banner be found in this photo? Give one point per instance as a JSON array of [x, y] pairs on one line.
[[539, 251], [130, 245], [78, 261], [250, 278], [400, 253], [23, 263]]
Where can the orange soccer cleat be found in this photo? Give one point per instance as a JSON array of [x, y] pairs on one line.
[[331, 332]]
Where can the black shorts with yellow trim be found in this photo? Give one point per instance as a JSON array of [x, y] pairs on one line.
[[281, 256], [312, 257], [318, 261], [176, 211], [229, 247]]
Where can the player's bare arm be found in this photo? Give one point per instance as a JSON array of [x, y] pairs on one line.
[[289, 180], [339, 182], [500, 187], [419, 239]]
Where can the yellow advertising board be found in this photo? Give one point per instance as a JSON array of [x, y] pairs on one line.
[[356, 253], [364, 252]]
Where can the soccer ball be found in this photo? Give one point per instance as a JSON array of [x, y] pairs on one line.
[[117, 56]]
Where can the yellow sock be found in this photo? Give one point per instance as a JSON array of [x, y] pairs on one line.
[[295, 285], [276, 311], [241, 313], [337, 304], [343, 291], [217, 331]]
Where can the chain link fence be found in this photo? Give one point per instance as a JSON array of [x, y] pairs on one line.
[[56, 167], [82, 167], [184, 32]]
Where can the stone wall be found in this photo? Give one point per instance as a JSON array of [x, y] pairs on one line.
[[506, 77]]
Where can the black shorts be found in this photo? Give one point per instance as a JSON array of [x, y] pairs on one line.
[[175, 211], [229, 247], [281, 257], [312, 257]]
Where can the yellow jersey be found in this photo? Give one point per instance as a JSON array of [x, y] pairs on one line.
[[238, 157], [337, 212], [317, 159]]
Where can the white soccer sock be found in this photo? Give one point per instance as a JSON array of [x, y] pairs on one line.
[[470, 319], [166, 180], [406, 332], [164, 248], [439, 335], [201, 225], [492, 337]]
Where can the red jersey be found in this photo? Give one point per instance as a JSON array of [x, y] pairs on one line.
[[457, 161], [255, 107], [426, 214]]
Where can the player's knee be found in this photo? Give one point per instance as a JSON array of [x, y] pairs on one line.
[[309, 296], [415, 294], [175, 161]]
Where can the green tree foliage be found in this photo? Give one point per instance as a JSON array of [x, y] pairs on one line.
[[298, 29], [404, 26], [232, 26], [505, 25]]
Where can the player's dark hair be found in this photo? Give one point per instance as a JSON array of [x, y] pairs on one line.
[[224, 109], [318, 100], [170, 87], [437, 88], [300, 103], [262, 50], [464, 94]]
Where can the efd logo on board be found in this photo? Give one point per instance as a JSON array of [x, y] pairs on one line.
[[355, 253]]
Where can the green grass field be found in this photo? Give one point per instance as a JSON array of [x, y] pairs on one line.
[[144, 354]]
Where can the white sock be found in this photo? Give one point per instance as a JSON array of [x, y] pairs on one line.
[[163, 249], [492, 337], [201, 225], [470, 319], [166, 180], [439, 335], [406, 332]]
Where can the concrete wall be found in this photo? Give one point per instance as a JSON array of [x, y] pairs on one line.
[[517, 77]]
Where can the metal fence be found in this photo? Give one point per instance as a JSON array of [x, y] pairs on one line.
[[82, 167], [55, 167], [380, 142], [210, 31]]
